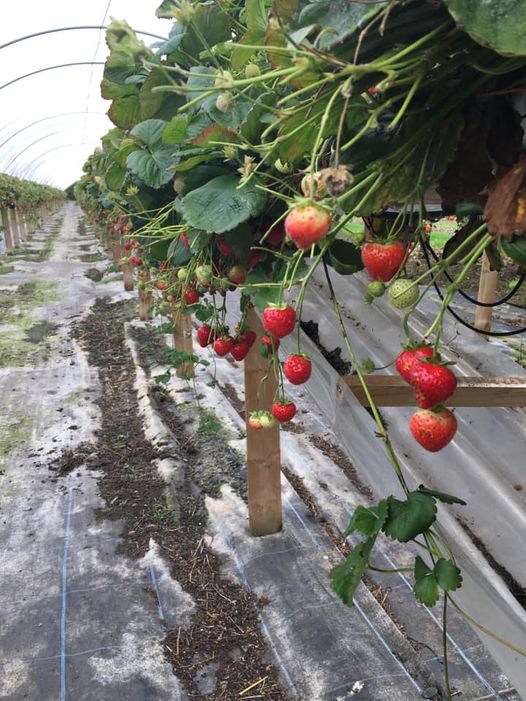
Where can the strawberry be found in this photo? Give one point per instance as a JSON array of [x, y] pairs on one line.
[[266, 419], [407, 359], [433, 428], [184, 240], [428, 227], [248, 337], [275, 236], [205, 336], [136, 261], [191, 296], [297, 368], [254, 258], [307, 224], [283, 410], [237, 274], [279, 320], [254, 421], [161, 285], [182, 274], [223, 247], [381, 260], [223, 346], [433, 383], [403, 293], [239, 350], [127, 246], [376, 288], [203, 274], [269, 345]]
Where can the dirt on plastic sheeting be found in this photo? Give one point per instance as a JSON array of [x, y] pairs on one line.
[[222, 651]]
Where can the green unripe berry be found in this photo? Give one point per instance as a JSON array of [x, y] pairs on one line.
[[376, 288], [403, 293]]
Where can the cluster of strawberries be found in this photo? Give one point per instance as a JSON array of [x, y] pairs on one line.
[[133, 246], [433, 426]]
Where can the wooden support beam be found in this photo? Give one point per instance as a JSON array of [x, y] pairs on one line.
[[391, 390], [7, 233], [487, 293], [13, 226], [145, 297], [263, 448], [182, 340]]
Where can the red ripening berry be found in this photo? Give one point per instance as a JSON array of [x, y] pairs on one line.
[[279, 320], [161, 285], [381, 260], [223, 346], [191, 296], [239, 350], [283, 410], [406, 360], [237, 274], [269, 345], [184, 240], [223, 247], [254, 258], [127, 246], [433, 429], [307, 224], [297, 368], [275, 236], [205, 336], [248, 337], [434, 383]]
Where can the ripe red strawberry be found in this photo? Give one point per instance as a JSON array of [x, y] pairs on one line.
[[248, 337], [136, 261], [191, 296], [381, 260], [434, 383], [407, 358], [223, 346], [283, 410], [239, 350], [269, 345], [205, 336], [297, 368], [161, 285], [307, 224], [254, 258], [223, 247], [237, 274], [433, 428], [275, 236], [185, 240], [279, 320], [254, 420], [127, 246]]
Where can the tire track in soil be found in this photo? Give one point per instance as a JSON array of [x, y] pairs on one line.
[[223, 645]]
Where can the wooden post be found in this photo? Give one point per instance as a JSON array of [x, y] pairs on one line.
[[487, 293], [20, 224], [8, 236], [14, 228], [145, 298], [263, 448], [182, 340]]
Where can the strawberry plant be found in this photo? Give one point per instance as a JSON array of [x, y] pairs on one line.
[[241, 161]]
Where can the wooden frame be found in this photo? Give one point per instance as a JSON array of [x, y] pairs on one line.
[[391, 390]]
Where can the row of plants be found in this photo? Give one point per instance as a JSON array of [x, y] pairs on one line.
[[264, 141], [26, 194]]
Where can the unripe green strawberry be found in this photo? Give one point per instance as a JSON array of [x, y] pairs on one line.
[[182, 274], [403, 293], [376, 288], [203, 273], [252, 71], [266, 419]]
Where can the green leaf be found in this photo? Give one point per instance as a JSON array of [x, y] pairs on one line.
[[115, 177], [442, 496], [178, 253], [447, 575], [345, 257], [150, 132], [154, 168], [346, 577], [411, 517], [368, 521], [220, 205], [338, 19], [158, 104], [175, 131], [256, 15], [500, 24], [425, 586], [125, 112]]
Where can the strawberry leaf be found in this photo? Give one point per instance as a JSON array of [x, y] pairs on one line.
[[368, 521], [409, 518], [426, 586], [441, 496], [346, 577], [447, 575]]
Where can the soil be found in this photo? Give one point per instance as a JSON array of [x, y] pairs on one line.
[[334, 357], [224, 633]]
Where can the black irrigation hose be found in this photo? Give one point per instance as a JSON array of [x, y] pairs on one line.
[[469, 326], [510, 294]]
